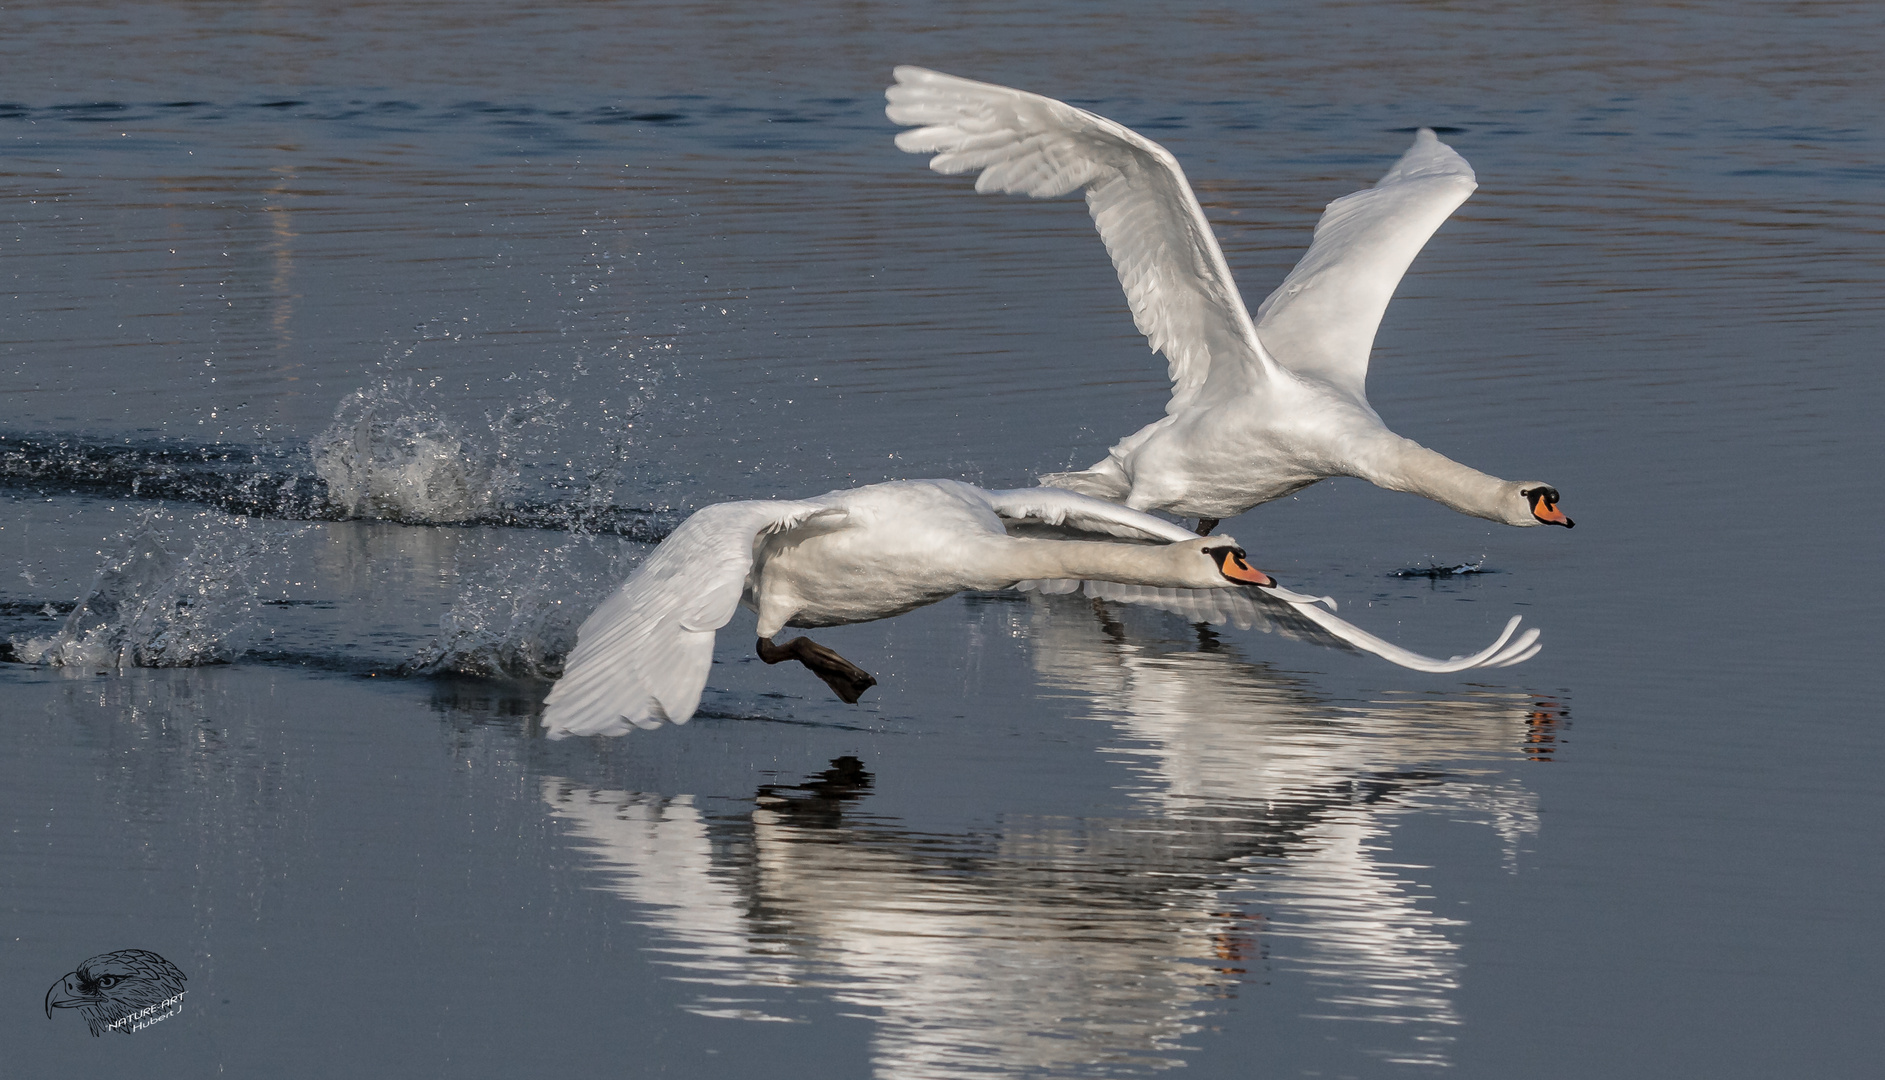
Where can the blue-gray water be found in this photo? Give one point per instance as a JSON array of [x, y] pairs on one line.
[[582, 268]]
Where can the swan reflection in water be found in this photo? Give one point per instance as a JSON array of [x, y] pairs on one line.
[[1076, 945]]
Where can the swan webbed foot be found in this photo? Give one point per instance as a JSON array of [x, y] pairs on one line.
[[1205, 525], [846, 679]]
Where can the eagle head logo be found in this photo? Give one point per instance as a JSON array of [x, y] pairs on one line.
[[112, 987]]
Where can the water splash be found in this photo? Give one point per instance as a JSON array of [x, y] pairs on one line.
[[179, 594], [254, 480], [391, 455], [520, 620], [1435, 571], [273, 482]]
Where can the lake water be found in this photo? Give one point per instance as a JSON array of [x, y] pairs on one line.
[[572, 270]]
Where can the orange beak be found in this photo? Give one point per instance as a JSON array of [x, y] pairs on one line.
[[1235, 568], [1547, 511]]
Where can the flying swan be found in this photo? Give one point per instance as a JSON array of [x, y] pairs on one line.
[[872, 552], [1258, 410]]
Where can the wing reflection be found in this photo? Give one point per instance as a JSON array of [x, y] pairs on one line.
[[1026, 952], [1207, 726], [1219, 737], [1068, 945]]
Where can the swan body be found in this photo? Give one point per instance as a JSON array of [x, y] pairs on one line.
[[1260, 408], [873, 552]]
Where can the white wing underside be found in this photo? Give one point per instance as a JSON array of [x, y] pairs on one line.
[[1177, 283], [1319, 323], [642, 657]]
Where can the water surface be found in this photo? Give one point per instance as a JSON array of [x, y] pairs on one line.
[[558, 276]]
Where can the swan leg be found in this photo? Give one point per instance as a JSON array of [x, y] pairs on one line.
[[846, 679], [1205, 525]]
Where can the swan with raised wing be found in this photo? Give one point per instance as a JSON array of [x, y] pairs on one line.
[[873, 552], [1259, 409]]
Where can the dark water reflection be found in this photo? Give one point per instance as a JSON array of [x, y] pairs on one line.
[[1260, 842]]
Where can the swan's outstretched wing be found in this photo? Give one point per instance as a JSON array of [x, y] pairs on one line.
[[1278, 609], [1298, 616], [642, 656], [1182, 296], [1503, 652], [1321, 321], [1074, 514]]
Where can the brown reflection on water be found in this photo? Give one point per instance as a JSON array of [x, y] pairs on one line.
[[1546, 722], [1054, 944]]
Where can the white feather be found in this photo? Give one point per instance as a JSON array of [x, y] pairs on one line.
[[1176, 280], [641, 658], [1322, 319], [1053, 506], [1298, 616]]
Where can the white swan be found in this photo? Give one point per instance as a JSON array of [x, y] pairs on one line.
[[873, 552], [1258, 410]]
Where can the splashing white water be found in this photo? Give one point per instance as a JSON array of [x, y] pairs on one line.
[[391, 455], [179, 594], [519, 620]]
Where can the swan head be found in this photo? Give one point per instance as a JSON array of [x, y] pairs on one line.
[[1542, 505], [1230, 563]]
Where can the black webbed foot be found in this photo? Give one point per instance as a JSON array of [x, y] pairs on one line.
[[846, 679], [1205, 525]]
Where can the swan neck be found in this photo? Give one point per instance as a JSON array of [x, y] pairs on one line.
[[1156, 565], [1405, 465]]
